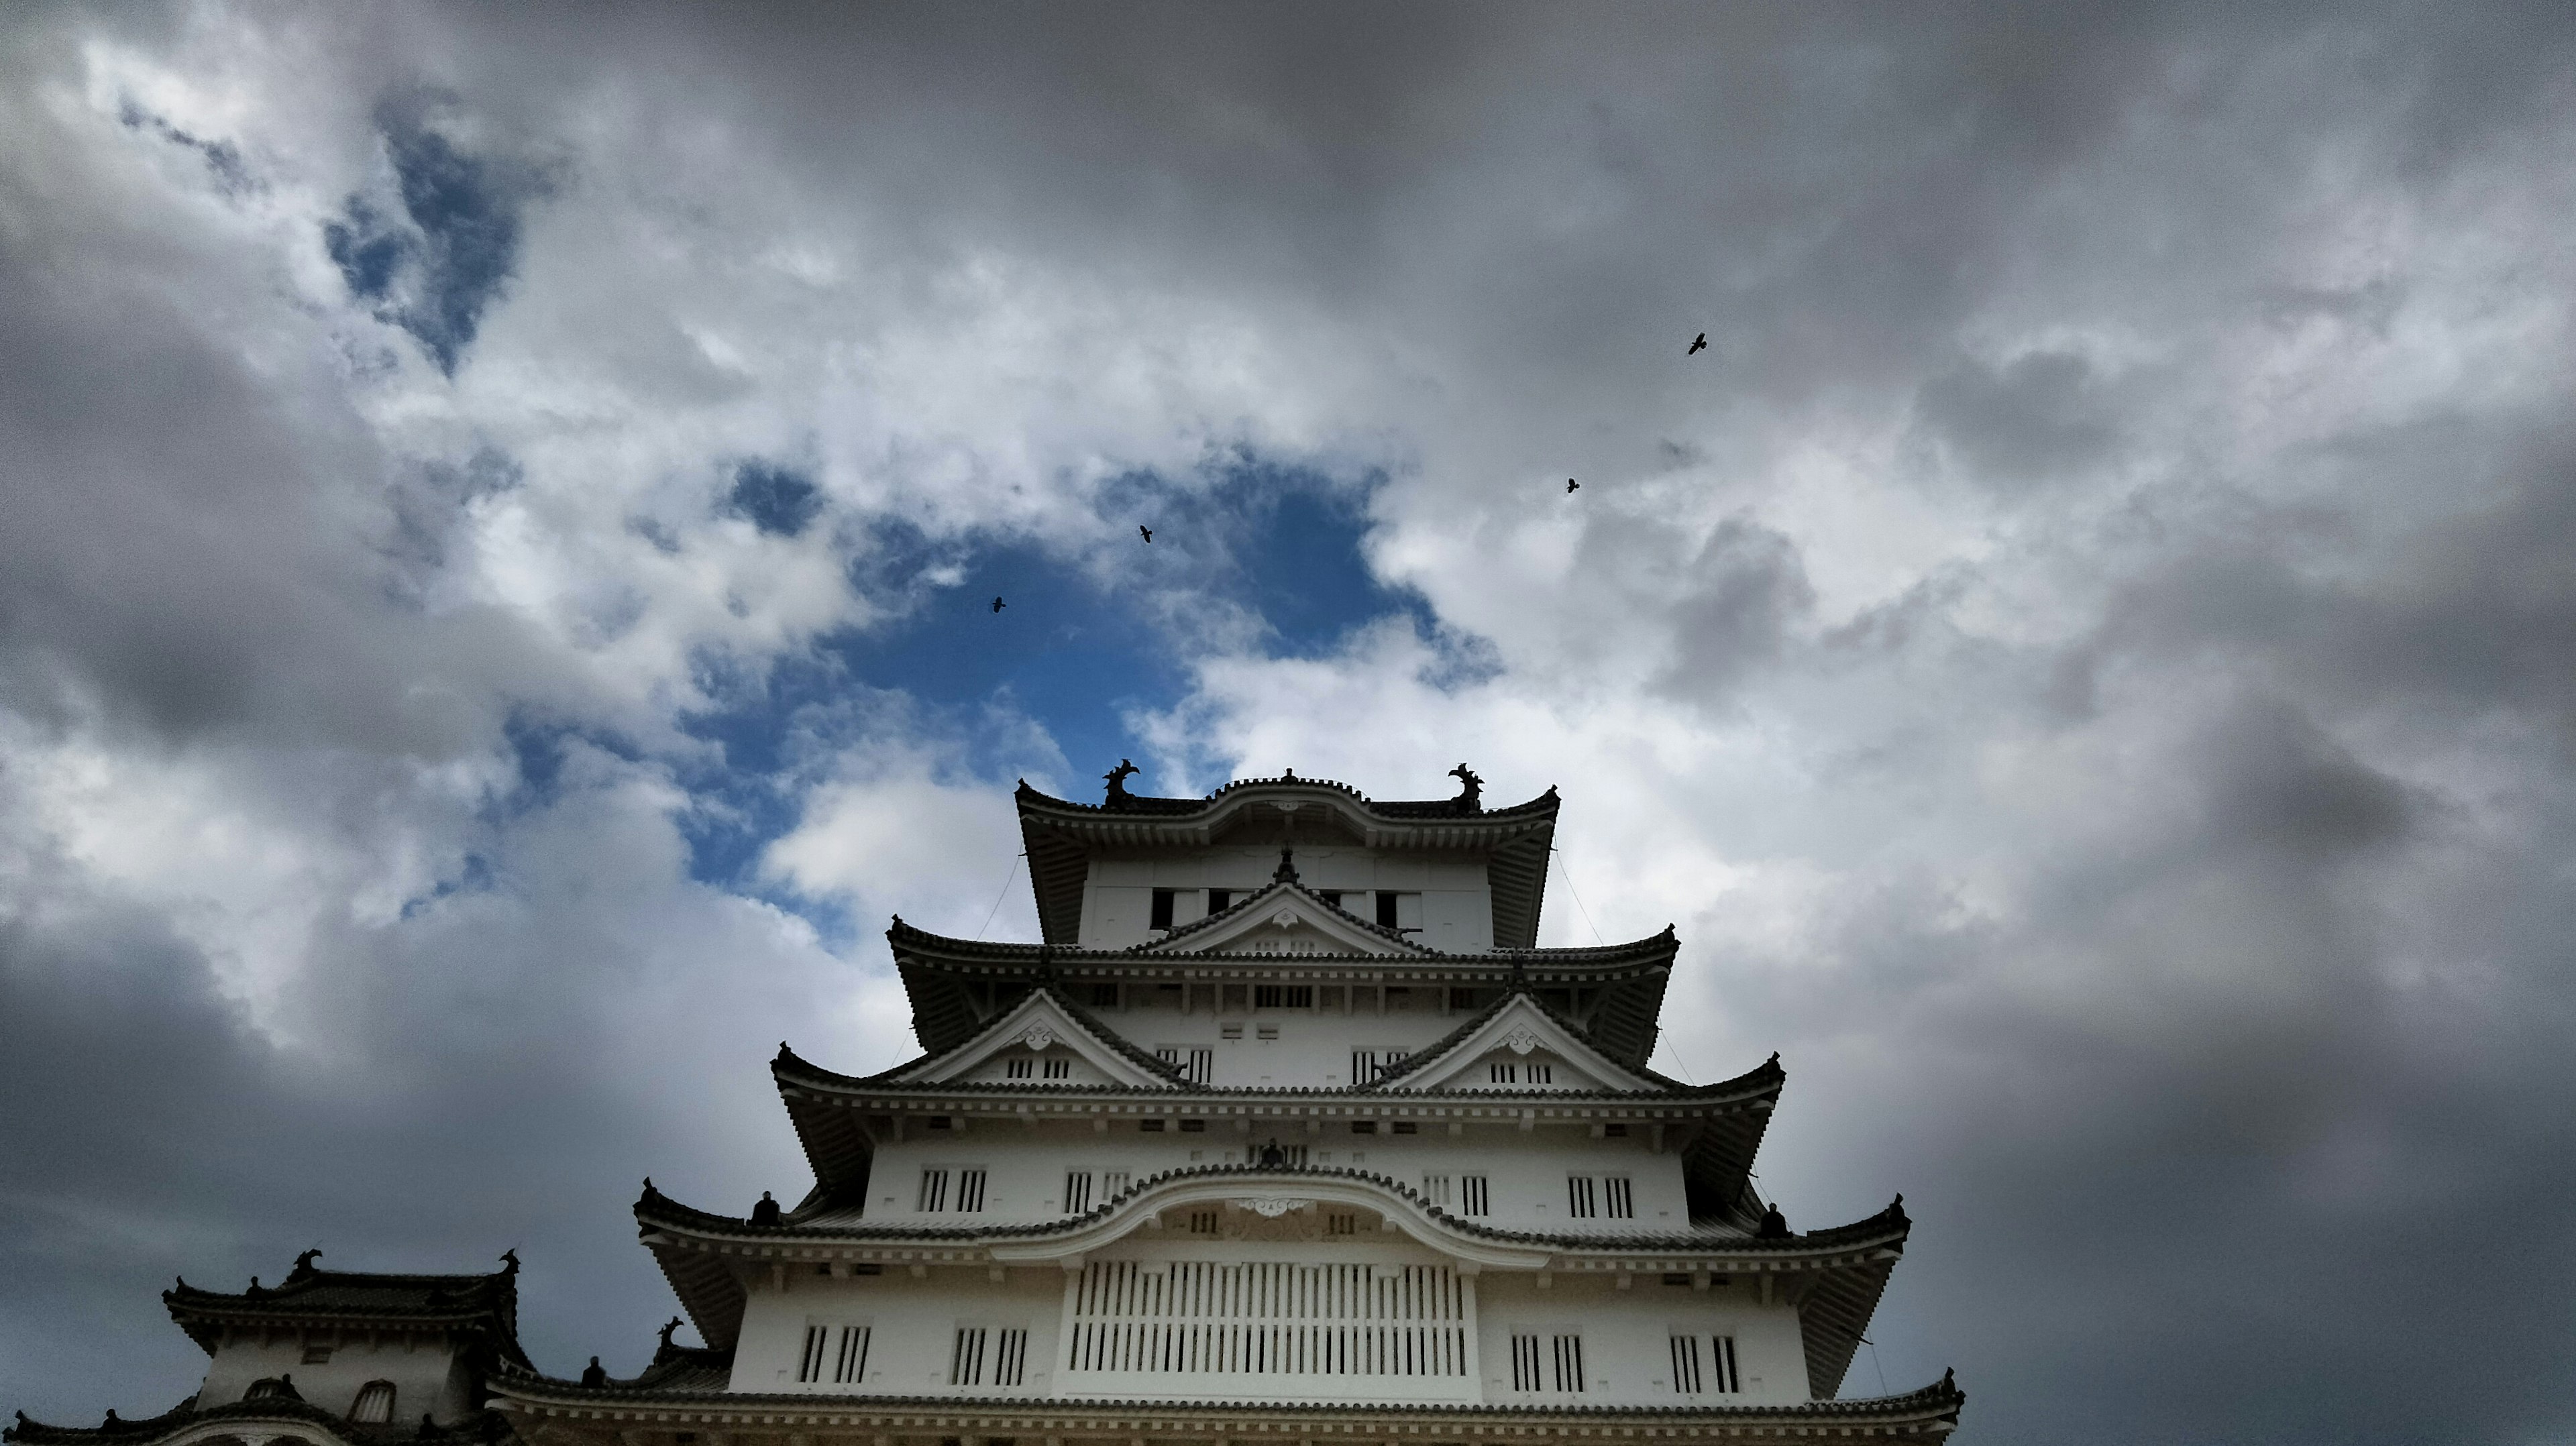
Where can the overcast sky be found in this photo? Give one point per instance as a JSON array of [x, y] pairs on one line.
[[499, 513]]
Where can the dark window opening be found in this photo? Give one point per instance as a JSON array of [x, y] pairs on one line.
[[1385, 909], [1162, 916], [1363, 1127], [1151, 1127], [1407, 1127], [1220, 900], [1104, 996], [1618, 1131], [1193, 1127], [1330, 896]]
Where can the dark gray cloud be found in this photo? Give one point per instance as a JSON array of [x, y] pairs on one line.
[[2149, 855]]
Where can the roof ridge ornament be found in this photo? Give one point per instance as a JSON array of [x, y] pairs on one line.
[[1471, 790], [1286, 873], [1118, 796]]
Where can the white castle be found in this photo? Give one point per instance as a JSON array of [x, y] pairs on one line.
[[1287, 1132]]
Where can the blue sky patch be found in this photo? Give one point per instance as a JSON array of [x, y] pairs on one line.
[[775, 500], [436, 266], [1257, 554]]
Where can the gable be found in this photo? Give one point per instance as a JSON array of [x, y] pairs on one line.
[[1037, 1035], [1282, 919], [1521, 1048]]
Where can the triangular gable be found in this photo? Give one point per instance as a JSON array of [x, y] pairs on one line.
[[1520, 1033], [1043, 1025], [1282, 919]]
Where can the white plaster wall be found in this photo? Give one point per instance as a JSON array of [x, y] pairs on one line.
[[913, 1323], [1625, 1333], [1626, 1337], [1526, 1171], [426, 1375], [1457, 903]]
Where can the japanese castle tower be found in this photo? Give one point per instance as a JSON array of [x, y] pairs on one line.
[[1288, 1132]]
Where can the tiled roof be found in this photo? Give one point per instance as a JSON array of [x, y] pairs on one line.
[[1498, 961], [310, 1294]]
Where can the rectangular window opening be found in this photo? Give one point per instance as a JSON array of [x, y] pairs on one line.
[[1721, 1359], [1104, 996], [1011, 1357], [850, 1362], [1569, 1363], [1525, 1374], [1220, 900], [966, 1357], [809, 1363], [1618, 1201], [1579, 1197], [1018, 1068], [1471, 1195], [934, 1191], [1161, 918], [1077, 1191], [970, 1190], [1685, 1365], [1059, 1069]]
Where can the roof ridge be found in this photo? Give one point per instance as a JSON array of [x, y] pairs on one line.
[[1408, 809]]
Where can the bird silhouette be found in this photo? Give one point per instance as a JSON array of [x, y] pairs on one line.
[[1149, 532], [1699, 345], [1571, 484], [997, 604]]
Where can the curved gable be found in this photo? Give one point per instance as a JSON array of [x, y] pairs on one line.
[[1516, 1033]]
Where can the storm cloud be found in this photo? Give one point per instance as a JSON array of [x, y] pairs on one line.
[[497, 509]]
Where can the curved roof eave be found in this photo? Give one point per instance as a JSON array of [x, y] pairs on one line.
[[1924, 1414], [1430, 1225], [1653, 948]]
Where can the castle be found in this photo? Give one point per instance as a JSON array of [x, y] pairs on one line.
[[1286, 1132]]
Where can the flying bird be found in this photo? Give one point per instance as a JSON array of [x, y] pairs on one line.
[[997, 604], [1699, 345], [1149, 532], [1571, 484]]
